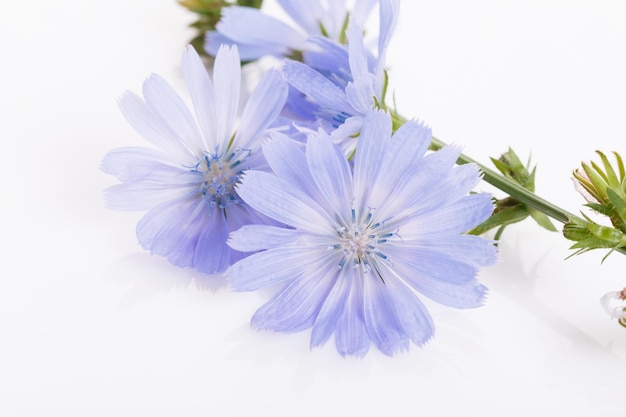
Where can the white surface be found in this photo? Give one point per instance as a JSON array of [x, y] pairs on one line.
[[90, 325]]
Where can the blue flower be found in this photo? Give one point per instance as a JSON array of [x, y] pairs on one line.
[[258, 34], [360, 242], [188, 182], [339, 85]]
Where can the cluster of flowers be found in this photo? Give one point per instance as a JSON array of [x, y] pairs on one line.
[[317, 185]]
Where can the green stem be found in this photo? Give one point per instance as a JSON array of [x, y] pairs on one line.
[[518, 192], [513, 189], [510, 187]]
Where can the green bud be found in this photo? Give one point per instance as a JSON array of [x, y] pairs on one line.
[[604, 188], [590, 235], [508, 210]]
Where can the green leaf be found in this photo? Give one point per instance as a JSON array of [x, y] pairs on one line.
[[502, 167], [503, 217], [542, 220], [514, 162], [619, 205], [602, 209], [610, 173]]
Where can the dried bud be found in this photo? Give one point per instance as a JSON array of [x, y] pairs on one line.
[[618, 312]]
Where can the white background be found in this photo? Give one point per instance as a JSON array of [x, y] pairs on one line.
[[91, 325]]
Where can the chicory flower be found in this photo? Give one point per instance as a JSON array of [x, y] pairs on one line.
[[361, 242], [187, 181]]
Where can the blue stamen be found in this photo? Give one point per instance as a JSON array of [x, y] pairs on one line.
[[342, 262]]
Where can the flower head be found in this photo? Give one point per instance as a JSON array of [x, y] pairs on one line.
[[188, 182], [337, 85], [362, 241], [258, 34]]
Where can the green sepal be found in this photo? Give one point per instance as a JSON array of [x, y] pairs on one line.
[[509, 210], [589, 235], [502, 167], [611, 176], [542, 220], [619, 208], [503, 217], [602, 209]]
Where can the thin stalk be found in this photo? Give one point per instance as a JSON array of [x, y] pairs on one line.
[[513, 189], [516, 191], [510, 187]]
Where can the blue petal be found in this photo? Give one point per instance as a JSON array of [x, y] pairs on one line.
[[351, 336], [247, 52], [173, 113], [262, 108], [362, 9], [330, 312], [133, 164], [459, 181], [435, 172], [423, 198], [121, 162], [202, 95], [142, 195], [360, 94], [272, 266], [399, 181], [456, 217], [316, 86], [287, 159], [149, 179], [152, 128], [211, 254], [295, 307], [306, 13], [331, 172], [240, 215], [255, 237], [473, 250], [250, 26], [436, 264], [331, 58], [172, 229], [281, 201], [468, 295], [227, 82], [298, 108], [357, 54], [373, 143], [383, 326], [389, 12], [412, 314]]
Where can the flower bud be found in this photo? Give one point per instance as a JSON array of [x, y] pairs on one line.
[[616, 312], [604, 188]]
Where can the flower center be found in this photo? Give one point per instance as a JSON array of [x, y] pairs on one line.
[[361, 243], [220, 172]]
